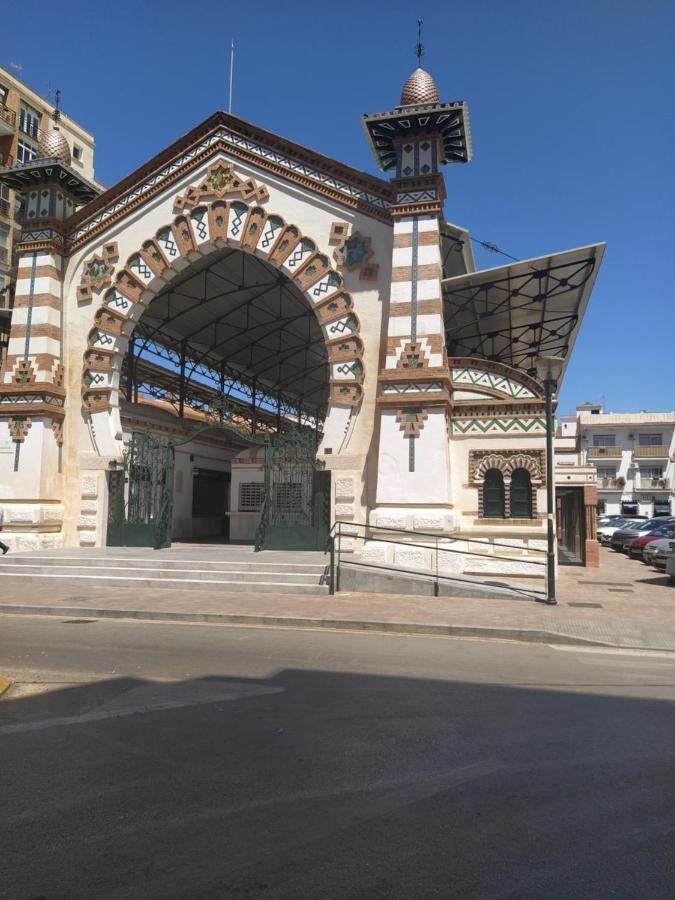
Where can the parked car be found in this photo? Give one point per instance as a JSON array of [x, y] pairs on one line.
[[605, 533], [670, 562], [656, 553], [634, 530], [608, 520], [635, 547]]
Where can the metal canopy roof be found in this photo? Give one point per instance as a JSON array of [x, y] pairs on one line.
[[515, 313], [233, 312]]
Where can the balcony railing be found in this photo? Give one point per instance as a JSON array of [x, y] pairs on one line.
[[605, 451], [7, 115], [651, 452], [655, 484], [611, 484], [6, 159]]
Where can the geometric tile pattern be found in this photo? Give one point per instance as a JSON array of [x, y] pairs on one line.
[[97, 272], [283, 245], [241, 145], [506, 386], [531, 425]]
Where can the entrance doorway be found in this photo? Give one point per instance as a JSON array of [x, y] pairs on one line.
[[232, 353], [571, 526]]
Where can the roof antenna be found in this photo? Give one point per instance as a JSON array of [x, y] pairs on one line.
[[229, 101], [419, 49]]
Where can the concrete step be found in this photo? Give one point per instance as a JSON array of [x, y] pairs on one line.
[[157, 563], [163, 574], [14, 583]]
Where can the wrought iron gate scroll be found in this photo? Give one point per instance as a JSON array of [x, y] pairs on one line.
[[296, 508], [140, 500]]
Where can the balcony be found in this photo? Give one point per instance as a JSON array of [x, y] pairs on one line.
[[7, 120], [6, 159], [604, 452], [611, 484], [652, 484], [651, 452]]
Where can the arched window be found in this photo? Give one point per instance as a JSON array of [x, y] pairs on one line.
[[521, 494], [493, 495]]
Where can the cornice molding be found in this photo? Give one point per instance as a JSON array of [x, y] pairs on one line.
[[227, 134]]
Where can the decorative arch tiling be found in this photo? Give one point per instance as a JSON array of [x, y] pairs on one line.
[[500, 399], [507, 461], [493, 378], [208, 220]]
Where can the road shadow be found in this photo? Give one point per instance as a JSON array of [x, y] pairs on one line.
[[315, 784]]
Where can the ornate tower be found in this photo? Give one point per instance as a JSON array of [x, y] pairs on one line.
[[414, 394], [32, 392]]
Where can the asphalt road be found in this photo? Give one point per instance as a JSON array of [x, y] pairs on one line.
[[155, 761]]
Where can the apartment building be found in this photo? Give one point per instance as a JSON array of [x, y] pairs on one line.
[[633, 455], [23, 115]]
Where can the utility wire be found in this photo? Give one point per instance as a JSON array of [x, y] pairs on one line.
[[487, 245], [493, 248]]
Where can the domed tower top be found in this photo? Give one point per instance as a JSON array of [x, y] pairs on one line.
[[419, 88], [53, 145]]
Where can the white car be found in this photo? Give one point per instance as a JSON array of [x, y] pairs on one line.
[[605, 533]]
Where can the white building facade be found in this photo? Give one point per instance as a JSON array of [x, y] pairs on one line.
[[633, 455], [250, 341]]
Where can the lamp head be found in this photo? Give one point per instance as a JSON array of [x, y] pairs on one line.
[[549, 368]]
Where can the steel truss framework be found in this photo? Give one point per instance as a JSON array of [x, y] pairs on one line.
[[519, 312], [232, 327]]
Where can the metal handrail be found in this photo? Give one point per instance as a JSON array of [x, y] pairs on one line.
[[335, 535]]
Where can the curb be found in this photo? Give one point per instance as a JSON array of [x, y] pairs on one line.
[[527, 635]]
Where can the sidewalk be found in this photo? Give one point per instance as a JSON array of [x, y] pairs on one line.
[[621, 604]]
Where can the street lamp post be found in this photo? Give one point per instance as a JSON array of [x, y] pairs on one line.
[[549, 369]]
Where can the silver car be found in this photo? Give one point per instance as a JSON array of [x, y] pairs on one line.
[[670, 563], [657, 553]]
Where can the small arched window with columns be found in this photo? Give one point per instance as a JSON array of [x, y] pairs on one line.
[[521, 494], [493, 495]]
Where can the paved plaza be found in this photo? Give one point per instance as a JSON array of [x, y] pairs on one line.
[[622, 603]]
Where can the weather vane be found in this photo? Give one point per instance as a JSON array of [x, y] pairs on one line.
[[420, 48]]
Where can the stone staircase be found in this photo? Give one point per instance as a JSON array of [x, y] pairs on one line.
[[198, 567]]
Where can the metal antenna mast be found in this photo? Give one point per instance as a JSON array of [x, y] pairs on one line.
[[229, 102], [57, 104], [419, 49]]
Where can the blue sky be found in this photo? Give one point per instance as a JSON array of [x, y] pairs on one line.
[[571, 115]]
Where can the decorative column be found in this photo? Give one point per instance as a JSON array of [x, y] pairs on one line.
[[32, 391], [414, 392]]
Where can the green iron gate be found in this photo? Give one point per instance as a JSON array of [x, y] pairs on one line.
[[296, 507], [140, 500], [295, 514]]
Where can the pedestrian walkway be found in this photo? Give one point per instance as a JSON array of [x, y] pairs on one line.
[[621, 604]]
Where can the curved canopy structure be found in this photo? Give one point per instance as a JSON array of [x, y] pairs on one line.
[[233, 315], [516, 313]]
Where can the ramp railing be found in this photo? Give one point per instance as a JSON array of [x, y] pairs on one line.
[[436, 543]]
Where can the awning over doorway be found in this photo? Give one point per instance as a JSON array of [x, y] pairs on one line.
[[515, 313]]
